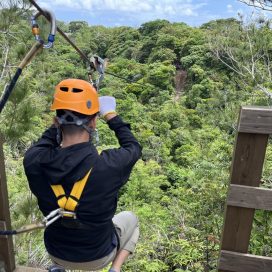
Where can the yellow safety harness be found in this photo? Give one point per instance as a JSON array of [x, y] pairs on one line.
[[70, 203]]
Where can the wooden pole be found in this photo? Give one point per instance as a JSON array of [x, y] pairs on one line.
[[6, 243], [253, 130]]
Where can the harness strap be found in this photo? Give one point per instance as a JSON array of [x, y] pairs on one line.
[[70, 203], [60, 195]]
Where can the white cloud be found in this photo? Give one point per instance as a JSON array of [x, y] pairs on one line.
[[230, 8], [169, 7], [61, 3]]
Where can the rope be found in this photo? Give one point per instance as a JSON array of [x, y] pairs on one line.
[[26, 228], [8, 232], [9, 88]]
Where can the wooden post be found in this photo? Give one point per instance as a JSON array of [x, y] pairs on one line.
[[6, 243], [246, 170], [254, 127]]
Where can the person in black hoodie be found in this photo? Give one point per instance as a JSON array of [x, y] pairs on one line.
[[90, 236]]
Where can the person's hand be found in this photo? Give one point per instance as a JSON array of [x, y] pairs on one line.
[[107, 107]]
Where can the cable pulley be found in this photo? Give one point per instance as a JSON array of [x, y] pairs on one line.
[[97, 65]]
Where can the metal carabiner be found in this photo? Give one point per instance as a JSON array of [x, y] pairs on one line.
[[36, 30], [55, 215], [52, 217]]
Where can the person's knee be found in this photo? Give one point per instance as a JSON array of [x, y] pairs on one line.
[[131, 216], [126, 218]]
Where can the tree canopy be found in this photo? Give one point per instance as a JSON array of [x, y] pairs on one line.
[[187, 85]]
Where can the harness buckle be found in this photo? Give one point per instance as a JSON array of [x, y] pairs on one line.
[[68, 214]]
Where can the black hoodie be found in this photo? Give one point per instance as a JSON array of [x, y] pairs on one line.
[[46, 163]]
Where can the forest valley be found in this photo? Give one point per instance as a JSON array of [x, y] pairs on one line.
[[188, 84]]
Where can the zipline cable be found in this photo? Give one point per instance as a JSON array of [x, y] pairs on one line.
[[82, 55]]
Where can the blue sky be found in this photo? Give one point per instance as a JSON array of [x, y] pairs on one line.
[[135, 12]]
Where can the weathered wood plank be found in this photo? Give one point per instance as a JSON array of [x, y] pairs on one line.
[[256, 120], [28, 269], [246, 170], [250, 197], [6, 244], [239, 262]]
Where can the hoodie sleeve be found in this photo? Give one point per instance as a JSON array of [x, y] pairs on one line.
[[130, 150], [48, 140]]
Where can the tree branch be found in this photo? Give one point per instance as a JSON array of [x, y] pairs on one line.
[[261, 4], [264, 90], [5, 62]]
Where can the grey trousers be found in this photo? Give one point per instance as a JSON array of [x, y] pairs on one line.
[[127, 228]]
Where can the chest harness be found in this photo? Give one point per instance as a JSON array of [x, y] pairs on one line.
[[68, 204]]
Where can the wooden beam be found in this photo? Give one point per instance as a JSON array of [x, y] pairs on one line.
[[6, 244], [239, 262], [246, 170], [250, 197], [256, 120]]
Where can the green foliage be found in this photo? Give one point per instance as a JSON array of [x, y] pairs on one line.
[[76, 26], [182, 103], [151, 28], [161, 55]]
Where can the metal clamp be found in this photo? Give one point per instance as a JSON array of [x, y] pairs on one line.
[[97, 65], [36, 30]]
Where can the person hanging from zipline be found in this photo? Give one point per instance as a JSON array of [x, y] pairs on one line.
[[66, 174]]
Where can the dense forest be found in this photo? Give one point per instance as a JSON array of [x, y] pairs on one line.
[[186, 87]]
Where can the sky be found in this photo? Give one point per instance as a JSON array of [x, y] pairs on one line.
[[136, 12]]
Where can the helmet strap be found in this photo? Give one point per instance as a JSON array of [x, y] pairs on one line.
[[93, 134], [69, 118], [59, 136], [74, 120]]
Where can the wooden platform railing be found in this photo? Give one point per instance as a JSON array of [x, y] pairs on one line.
[[7, 259], [254, 127]]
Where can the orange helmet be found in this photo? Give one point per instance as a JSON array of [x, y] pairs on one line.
[[76, 95]]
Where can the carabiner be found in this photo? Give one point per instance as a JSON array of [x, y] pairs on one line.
[[36, 30], [55, 215], [52, 217]]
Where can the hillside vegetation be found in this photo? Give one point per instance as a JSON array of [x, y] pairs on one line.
[[183, 104]]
